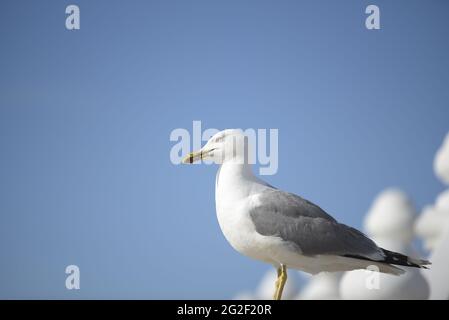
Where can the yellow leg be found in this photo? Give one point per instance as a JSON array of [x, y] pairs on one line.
[[276, 284], [280, 282]]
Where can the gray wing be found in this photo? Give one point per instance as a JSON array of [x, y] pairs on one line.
[[308, 227]]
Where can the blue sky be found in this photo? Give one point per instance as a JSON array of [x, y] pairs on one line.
[[86, 115]]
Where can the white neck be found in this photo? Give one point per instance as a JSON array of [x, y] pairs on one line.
[[230, 172], [237, 181]]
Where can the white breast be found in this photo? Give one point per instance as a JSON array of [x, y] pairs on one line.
[[234, 196]]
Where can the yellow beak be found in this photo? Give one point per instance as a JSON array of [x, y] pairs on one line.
[[193, 156]]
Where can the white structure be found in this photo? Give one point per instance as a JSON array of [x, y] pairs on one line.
[[438, 275], [323, 286], [433, 227], [389, 223], [390, 219], [431, 224], [433, 221], [441, 161]]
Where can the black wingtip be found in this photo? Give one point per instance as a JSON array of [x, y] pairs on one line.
[[400, 259]]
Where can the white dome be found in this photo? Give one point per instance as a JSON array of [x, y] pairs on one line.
[[323, 286], [393, 245], [439, 272], [391, 216], [441, 161], [433, 221], [442, 202], [390, 224], [361, 285]]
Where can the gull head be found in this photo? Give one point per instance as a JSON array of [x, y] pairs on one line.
[[224, 146]]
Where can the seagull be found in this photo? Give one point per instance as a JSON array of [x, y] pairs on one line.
[[281, 228]]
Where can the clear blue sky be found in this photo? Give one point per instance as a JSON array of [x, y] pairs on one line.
[[85, 119]]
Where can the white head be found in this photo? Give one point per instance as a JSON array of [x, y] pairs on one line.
[[225, 146]]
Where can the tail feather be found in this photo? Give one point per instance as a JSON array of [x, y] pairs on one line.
[[392, 260], [403, 260]]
